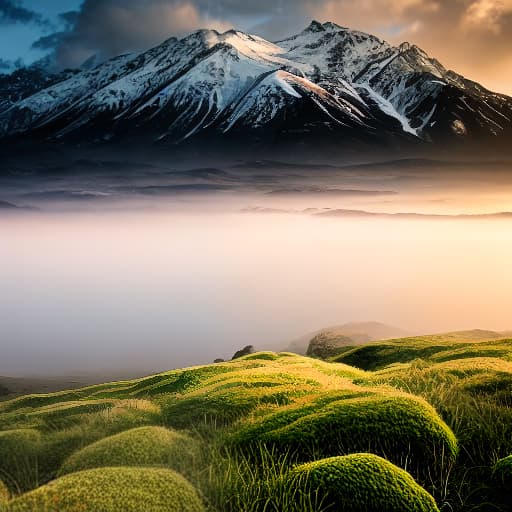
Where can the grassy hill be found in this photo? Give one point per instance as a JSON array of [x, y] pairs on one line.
[[421, 423], [432, 348]]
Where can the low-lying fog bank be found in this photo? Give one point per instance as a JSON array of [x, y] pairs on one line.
[[147, 270]]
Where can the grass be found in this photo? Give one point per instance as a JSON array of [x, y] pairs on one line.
[[231, 481], [143, 446], [469, 384], [4, 493], [402, 428], [378, 355], [362, 482], [113, 490], [19, 450], [30, 457], [436, 407]]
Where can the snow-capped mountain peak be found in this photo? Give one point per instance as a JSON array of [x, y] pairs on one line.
[[326, 81]]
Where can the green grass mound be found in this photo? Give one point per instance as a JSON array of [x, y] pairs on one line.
[[113, 490], [378, 355], [403, 428], [362, 483], [258, 381], [144, 446], [245, 384]]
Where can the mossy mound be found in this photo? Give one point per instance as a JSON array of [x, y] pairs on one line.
[[403, 428], [362, 483], [144, 446], [113, 490], [264, 380], [19, 451], [295, 375], [436, 349]]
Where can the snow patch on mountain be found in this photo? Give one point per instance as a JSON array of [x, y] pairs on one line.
[[387, 107], [326, 77]]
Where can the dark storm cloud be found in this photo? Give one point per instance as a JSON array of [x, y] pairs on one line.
[[113, 27], [12, 11], [53, 41], [69, 19], [470, 36], [50, 42], [8, 65]]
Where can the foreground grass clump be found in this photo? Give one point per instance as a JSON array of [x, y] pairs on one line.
[[255, 418], [402, 428], [50, 434], [362, 482], [144, 446], [19, 451], [113, 490], [469, 383], [4, 493], [503, 471]]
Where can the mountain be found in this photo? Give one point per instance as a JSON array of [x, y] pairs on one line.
[[327, 85], [25, 82]]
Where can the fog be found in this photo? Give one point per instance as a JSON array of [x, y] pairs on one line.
[[162, 273]]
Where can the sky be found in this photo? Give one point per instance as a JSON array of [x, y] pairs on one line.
[[473, 37]]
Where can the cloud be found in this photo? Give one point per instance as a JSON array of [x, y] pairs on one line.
[[11, 11], [5, 65], [49, 42], [69, 19], [487, 15], [469, 36], [114, 27]]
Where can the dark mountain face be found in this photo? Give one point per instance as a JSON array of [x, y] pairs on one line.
[[25, 82], [327, 85]]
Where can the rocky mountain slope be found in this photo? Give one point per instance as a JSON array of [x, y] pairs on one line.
[[327, 83]]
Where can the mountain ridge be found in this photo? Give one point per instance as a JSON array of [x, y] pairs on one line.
[[327, 83]]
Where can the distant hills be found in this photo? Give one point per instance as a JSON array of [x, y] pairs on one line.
[[328, 342]]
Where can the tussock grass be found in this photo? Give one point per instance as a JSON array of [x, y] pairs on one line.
[[30, 457], [470, 386], [378, 355], [404, 429], [362, 482], [439, 408], [19, 451], [144, 446], [231, 481], [4, 494], [113, 490], [256, 382], [502, 472]]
